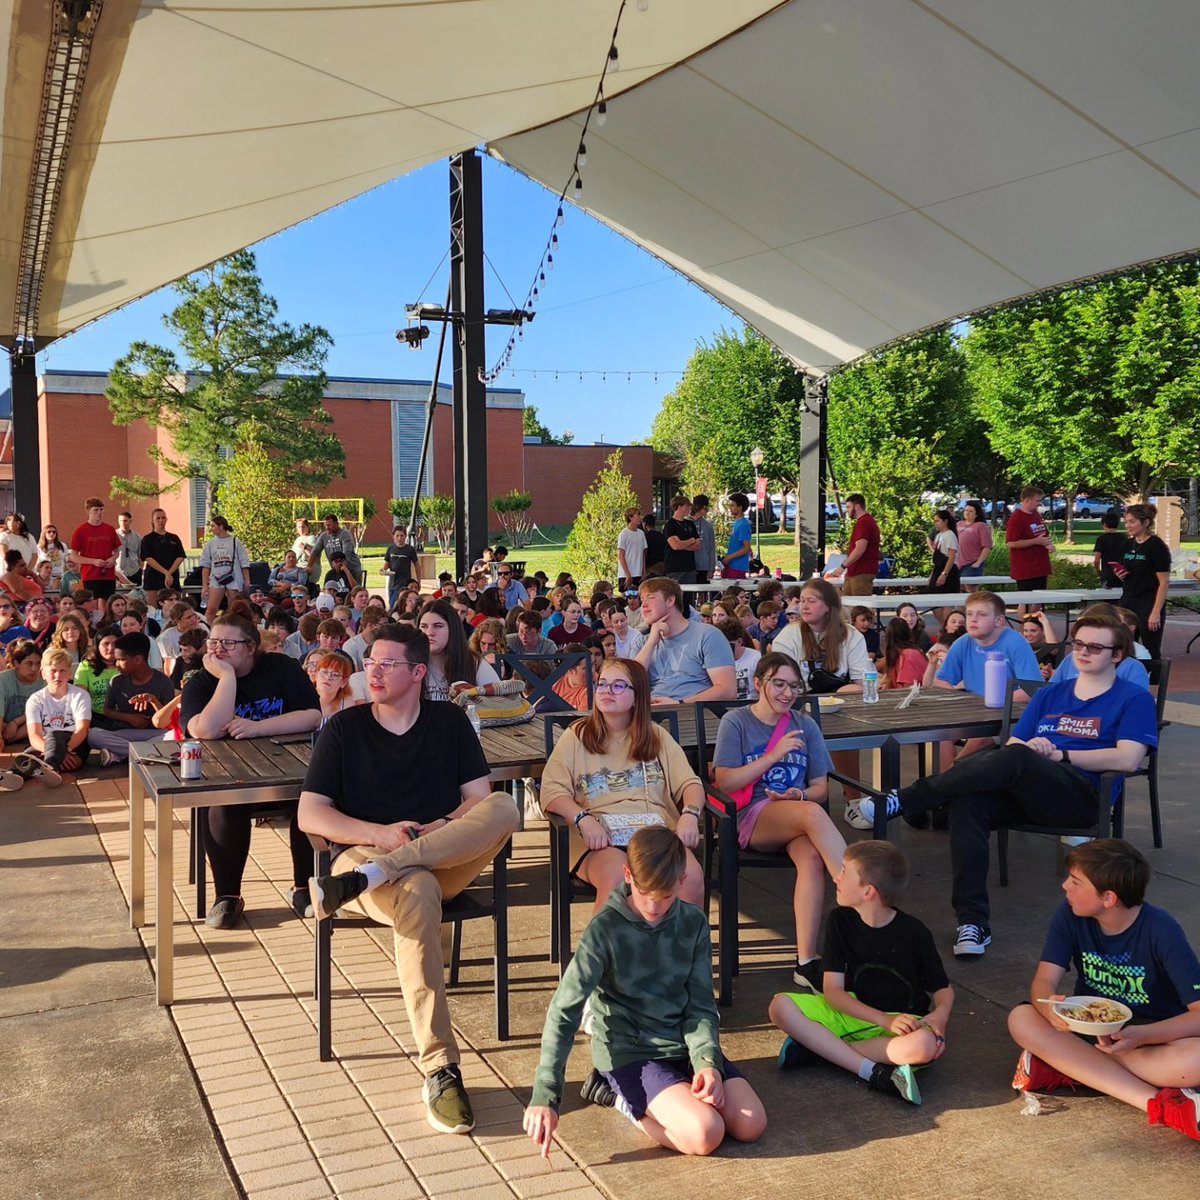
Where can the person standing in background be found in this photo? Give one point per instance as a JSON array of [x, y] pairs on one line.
[[631, 551], [706, 554], [974, 544], [1029, 544], [656, 545], [736, 562], [94, 547], [129, 556], [862, 549], [162, 555], [683, 540], [1145, 574]]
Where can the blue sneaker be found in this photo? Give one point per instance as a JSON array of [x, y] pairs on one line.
[[866, 809], [895, 1081], [792, 1054]]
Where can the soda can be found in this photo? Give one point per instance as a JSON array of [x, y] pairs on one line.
[[189, 760]]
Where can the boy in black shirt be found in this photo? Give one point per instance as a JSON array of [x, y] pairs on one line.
[[880, 966], [1110, 545]]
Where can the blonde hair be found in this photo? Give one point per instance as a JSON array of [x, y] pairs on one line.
[[55, 657]]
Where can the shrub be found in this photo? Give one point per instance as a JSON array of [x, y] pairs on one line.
[[591, 551]]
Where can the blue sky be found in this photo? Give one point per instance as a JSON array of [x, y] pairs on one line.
[[607, 306]]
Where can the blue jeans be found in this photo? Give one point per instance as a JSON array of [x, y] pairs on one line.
[[969, 572]]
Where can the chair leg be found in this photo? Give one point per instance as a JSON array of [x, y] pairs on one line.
[[500, 932], [455, 952], [727, 949], [554, 948], [324, 950], [192, 847], [200, 862], [1002, 846], [562, 911], [1155, 812]]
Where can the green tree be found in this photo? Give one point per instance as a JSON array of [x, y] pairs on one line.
[[254, 497], [736, 393], [512, 511], [235, 353], [534, 428], [438, 514], [591, 551]]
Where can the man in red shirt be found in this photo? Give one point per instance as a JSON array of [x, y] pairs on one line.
[[1029, 543], [94, 547], [862, 550]]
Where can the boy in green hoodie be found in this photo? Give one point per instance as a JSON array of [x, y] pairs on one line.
[[646, 961]]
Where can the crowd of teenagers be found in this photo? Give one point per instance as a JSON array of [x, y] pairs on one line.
[[400, 786]]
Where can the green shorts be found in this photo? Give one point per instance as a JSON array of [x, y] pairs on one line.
[[849, 1029]]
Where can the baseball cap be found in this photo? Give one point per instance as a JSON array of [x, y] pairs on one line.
[[325, 603]]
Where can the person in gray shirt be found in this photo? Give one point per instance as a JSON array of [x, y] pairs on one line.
[[687, 661], [706, 555], [331, 539]]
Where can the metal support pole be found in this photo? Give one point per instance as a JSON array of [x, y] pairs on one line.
[[27, 457], [470, 392], [430, 411], [811, 493]]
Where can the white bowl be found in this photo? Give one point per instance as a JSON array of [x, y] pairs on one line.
[[1092, 1028]]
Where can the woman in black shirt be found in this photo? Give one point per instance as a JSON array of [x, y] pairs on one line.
[[1145, 574]]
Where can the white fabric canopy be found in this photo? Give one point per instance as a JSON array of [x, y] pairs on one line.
[[839, 172]]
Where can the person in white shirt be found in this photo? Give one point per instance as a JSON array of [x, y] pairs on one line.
[[224, 567], [57, 721], [16, 536], [629, 641], [631, 551]]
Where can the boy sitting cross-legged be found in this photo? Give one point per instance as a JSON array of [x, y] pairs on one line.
[[1128, 951], [875, 1017]]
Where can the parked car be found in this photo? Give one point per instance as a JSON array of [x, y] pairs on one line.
[[1096, 506]]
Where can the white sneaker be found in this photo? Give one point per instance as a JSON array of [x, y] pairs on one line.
[[854, 817], [107, 757], [10, 781]]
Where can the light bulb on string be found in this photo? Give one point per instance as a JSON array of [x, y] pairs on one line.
[[578, 188], [549, 262], [581, 157], [541, 277], [614, 62], [642, 5], [559, 219], [601, 117], [554, 241]]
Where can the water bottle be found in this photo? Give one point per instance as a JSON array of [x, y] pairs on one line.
[[871, 685], [473, 717], [995, 680]]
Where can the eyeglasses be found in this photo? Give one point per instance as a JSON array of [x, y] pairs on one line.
[[387, 664], [782, 685], [1090, 648], [618, 687], [331, 675], [225, 643]]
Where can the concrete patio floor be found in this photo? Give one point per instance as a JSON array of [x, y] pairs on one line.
[[104, 1094]]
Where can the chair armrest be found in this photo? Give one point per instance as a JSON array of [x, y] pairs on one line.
[[1111, 783], [720, 804], [850, 781]]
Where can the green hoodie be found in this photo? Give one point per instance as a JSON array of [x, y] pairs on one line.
[[653, 995]]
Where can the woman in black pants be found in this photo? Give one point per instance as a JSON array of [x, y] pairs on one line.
[[243, 693], [1145, 572]]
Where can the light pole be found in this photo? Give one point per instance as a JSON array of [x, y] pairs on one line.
[[756, 461]]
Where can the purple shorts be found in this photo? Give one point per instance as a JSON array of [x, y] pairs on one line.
[[637, 1083]]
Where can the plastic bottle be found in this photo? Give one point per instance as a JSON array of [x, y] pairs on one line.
[[473, 717], [871, 685], [995, 680]]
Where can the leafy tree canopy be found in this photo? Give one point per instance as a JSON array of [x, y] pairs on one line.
[[591, 551], [534, 428]]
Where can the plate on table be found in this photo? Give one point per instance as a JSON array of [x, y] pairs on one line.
[[1093, 1015], [828, 702]]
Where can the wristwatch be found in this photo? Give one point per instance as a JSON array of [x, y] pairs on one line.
[[583, 812], [691, 811], [1066, 757]]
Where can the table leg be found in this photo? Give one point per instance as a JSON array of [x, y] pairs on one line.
[[164, 895], [137, 849]]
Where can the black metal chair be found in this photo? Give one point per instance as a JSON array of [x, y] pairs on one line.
[[479, 900], [1110, 793], [565, 885], [721, 843], [541, 687], [1159, 669]]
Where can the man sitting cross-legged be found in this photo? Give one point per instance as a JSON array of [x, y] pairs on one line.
[[403, 784], [1048, 773]]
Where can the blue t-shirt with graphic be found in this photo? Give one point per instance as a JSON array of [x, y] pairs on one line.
[[965, 662], [742, 738], [739, 535], [1150, 967], [1125, 713], [1127, 668]]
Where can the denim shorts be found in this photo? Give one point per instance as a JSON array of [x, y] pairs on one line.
[[637, 1083]]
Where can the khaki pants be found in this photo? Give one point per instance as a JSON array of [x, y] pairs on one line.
[[858, 585], [434, 868]]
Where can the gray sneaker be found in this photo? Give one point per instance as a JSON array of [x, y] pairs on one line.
[[30, 765], [328, 893], [447, 1107]]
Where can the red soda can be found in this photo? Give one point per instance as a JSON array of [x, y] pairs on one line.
[[189, 760]]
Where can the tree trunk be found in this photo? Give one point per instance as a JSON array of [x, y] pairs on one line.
[[1069, 517]]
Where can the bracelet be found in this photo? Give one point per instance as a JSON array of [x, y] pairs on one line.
[[1066, 758], [803, 795], [583, 812]]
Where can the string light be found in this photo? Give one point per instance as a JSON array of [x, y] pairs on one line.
[[598, 110]]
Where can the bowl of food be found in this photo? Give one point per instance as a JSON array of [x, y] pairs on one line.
[[828, 702], [1093, 1015]]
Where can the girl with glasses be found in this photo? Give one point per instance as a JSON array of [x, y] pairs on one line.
[[772, 760], [332, 679], [616, 771]]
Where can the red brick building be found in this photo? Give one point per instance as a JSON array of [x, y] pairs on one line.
[[380, 423]]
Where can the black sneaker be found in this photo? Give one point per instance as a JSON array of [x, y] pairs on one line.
[[792, 1054], [330, 892], [596, 1090], [447, 1107], [808, 976], [895, 1081], [32, 766], [301, 904], [971, 940], [225, 913]]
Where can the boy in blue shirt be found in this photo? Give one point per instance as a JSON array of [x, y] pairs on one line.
[[875, 1017], [988, 632], [1125, 950], [735, 563], [1047, 774]]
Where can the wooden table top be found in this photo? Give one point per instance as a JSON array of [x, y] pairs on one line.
[[230, 764]]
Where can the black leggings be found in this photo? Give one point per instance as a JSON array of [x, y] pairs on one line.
[[227, 844], [1150, 638]]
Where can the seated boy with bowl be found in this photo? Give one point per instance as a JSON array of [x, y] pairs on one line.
[[1128, 951]]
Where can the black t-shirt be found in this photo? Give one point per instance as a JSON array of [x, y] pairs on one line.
[[377, 776], [656, 546], [275, 685], [1110, 547], [337, 581], [164, 548], [1143, 561], [402, 562], [679, 560], [122, 689], [893, 968]]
